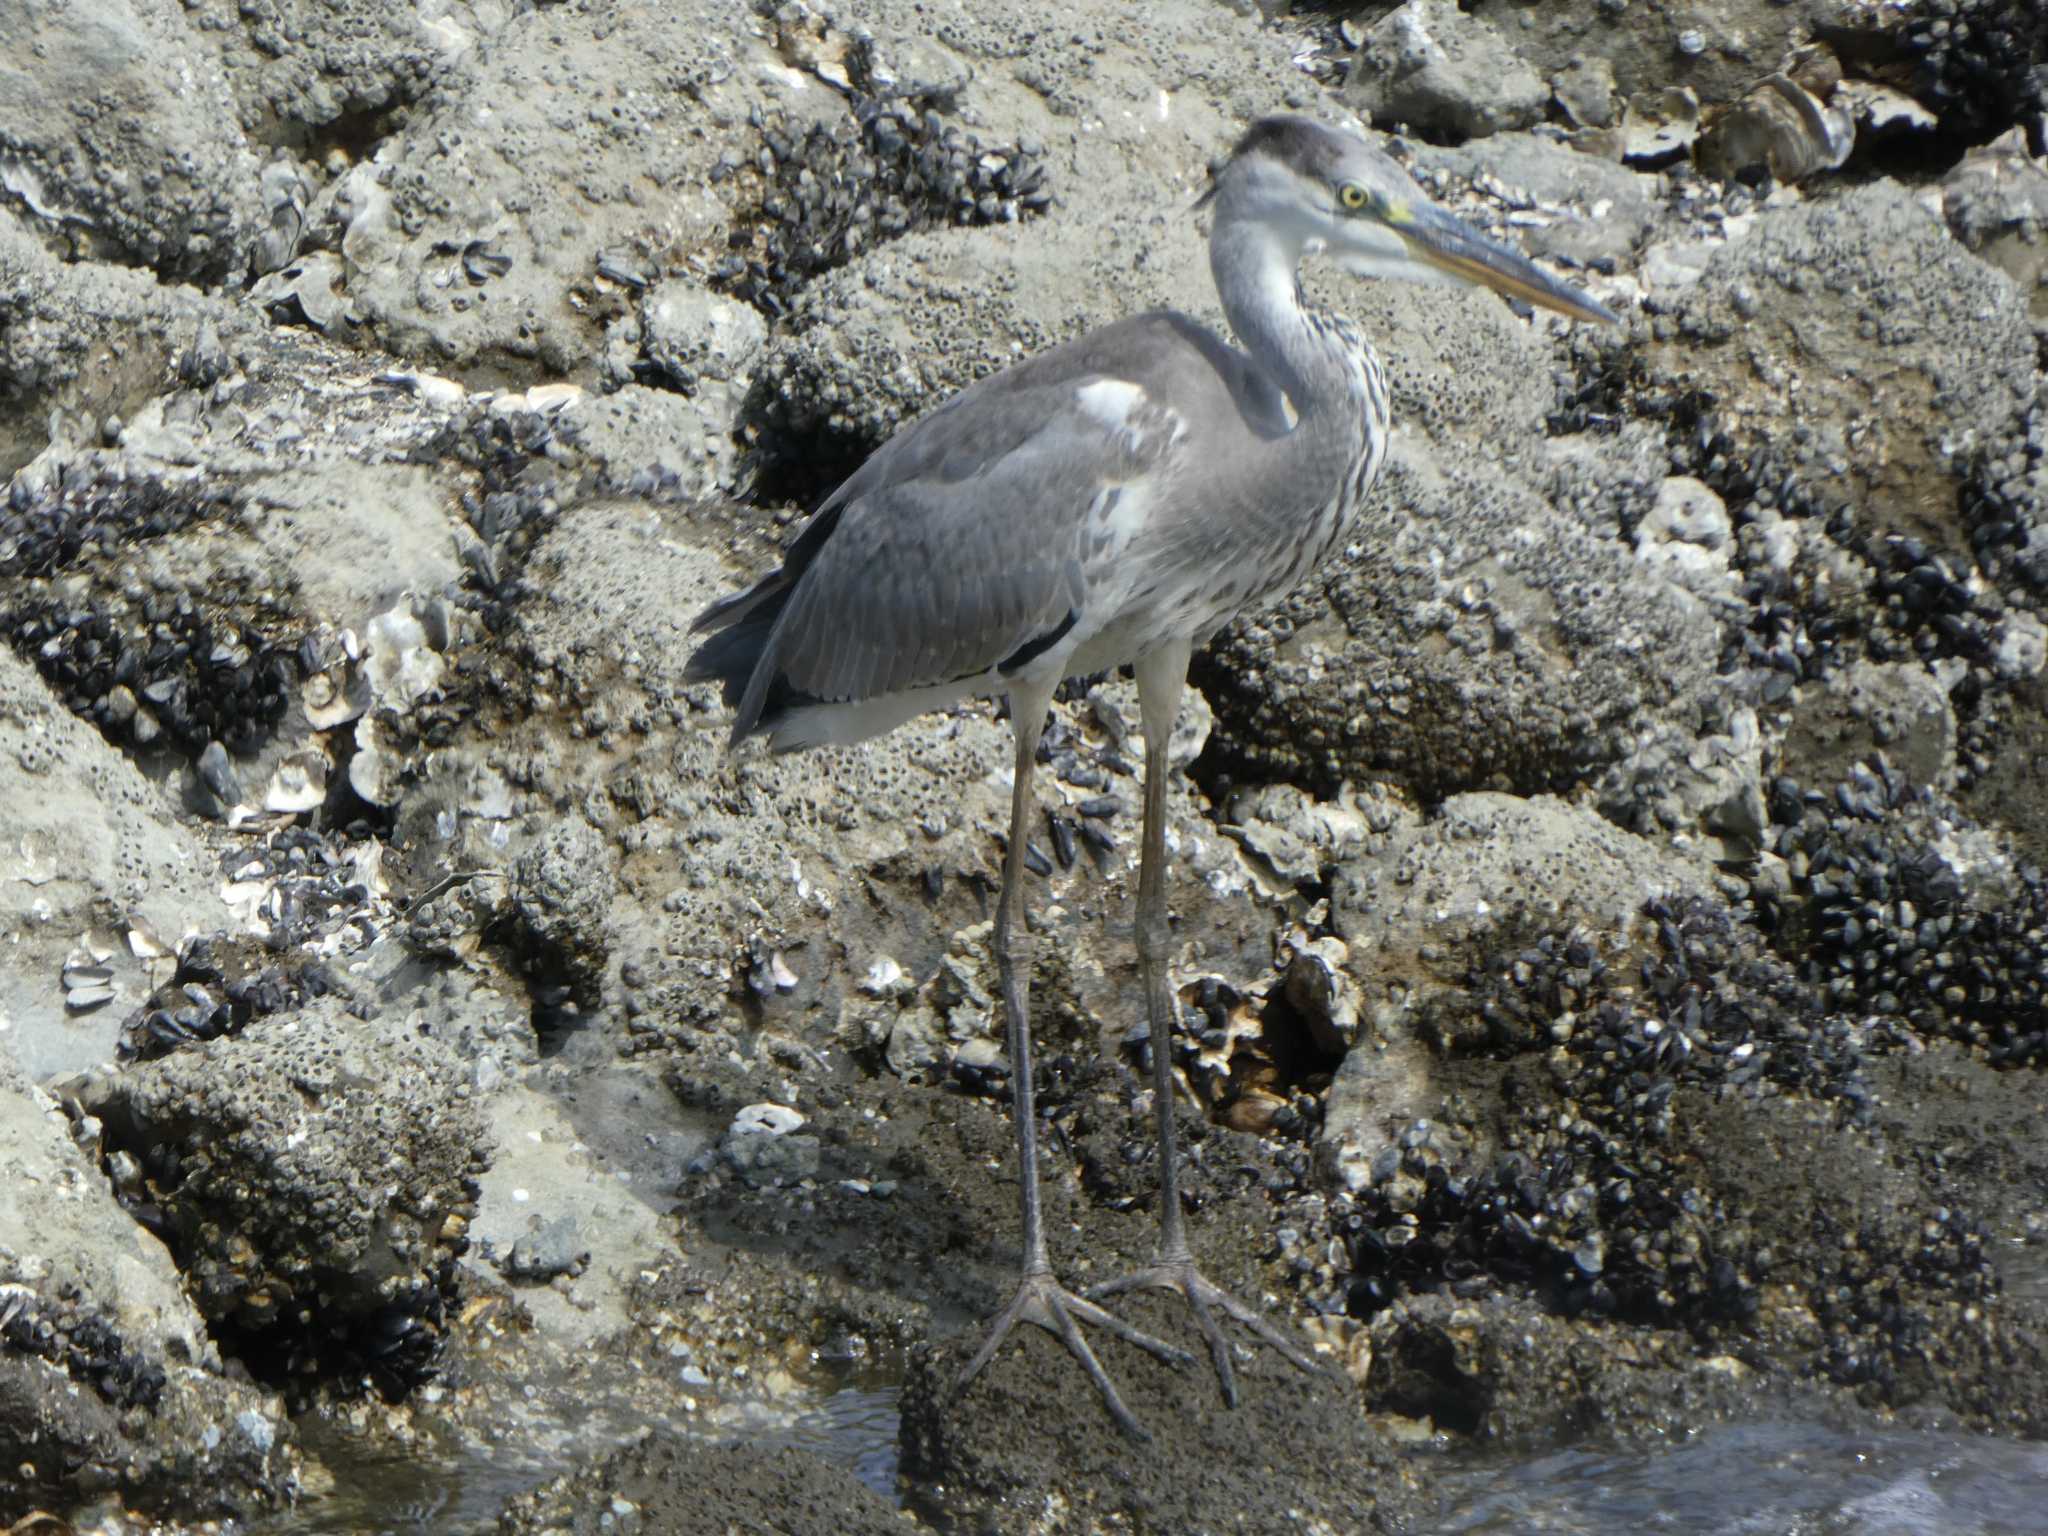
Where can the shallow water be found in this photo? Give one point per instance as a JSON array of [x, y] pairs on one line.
[[379, 1493], [855, 1426], [1784, 1479], [1788, 1478]]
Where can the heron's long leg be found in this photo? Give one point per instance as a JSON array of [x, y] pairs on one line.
[[1162, 676], [1040, 1298]]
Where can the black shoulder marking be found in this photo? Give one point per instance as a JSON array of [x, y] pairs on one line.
[[1034, 648]]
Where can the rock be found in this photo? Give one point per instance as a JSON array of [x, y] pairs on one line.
[[1429, 64], [1900, 709], [1472, 636], [562, 892], [437, 264], [1419, 909], [707, 345], [981, 1066], [1299, 837], [316, 1172], [109, 1379], [916, 1046], [1294, 1443], [142, 161], [441, 188], [1996, 203], [1319, 988], [553, 1249], [567, 1207], [1451, 1145], [1717, 52], [1687, 535], [1584, 90], [92, 847], [653, 441], [1921, 336], [667, 1481], [1552, 201], [754, 853], [87, 341], [765, 1161], [317, 73], [1706, 788]]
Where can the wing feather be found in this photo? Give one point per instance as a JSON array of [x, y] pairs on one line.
[[935, 575], [984, 532]]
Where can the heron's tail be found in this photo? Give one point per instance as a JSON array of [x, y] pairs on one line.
[[743, 633], [743, 626]]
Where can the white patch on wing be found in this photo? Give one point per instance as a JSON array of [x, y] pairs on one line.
[[1122, 510], [1111, 401]]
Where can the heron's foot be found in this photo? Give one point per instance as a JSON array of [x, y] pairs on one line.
[[1205, 1299], [1043, 1300]]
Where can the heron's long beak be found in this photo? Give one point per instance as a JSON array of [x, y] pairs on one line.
[[1447, 243]]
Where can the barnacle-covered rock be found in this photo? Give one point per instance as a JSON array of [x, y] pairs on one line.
[[1996, 202], [313, 1174], [1707, 789], [1931, 358], [561, 895], [1419, 909], [1689, 1140], [110, 1377], [91, 847], [145, 165], [824, 192]]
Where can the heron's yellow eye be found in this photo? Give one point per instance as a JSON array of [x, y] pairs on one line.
[[1353, 196]]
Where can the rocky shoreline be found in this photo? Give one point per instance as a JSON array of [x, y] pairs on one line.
[[1609, 900]]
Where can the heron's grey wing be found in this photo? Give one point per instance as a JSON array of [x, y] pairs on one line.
[[969, 550]]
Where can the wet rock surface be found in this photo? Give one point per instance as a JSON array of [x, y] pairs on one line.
[[1609, 921], [667, 1483]]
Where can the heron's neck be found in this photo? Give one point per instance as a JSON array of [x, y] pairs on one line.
[[1255, 272]]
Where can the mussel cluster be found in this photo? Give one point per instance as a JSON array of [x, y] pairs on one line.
[[1592, 1200], [217, 989], [86, 1347], [1604, 1197], [828, 192], [161, 671], [148, 666], [516, 503], [1885, 926], [2005, 506], [1981, 64]]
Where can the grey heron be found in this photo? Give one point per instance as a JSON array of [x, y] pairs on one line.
[[1117, 499]]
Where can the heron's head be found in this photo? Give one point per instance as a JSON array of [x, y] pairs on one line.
[[1318, 187]]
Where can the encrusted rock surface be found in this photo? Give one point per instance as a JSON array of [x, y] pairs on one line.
[[315, 1175], [1609, 920], [118, 139], [109, 1381]]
